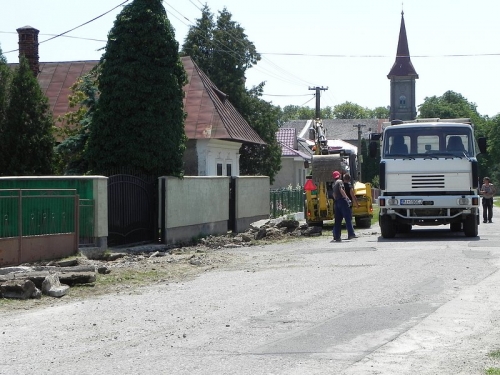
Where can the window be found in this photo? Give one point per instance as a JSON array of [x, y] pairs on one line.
[[228, 170], [402, 101], [219, 169]]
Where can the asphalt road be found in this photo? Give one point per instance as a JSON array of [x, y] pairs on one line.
[[425, 303]]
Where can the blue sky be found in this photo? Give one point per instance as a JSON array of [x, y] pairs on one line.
[[348, 46]]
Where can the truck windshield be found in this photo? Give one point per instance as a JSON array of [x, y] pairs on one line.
[[428, 141]]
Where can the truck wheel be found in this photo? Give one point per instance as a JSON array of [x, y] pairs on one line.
[[456, 227], [363, 222], [470, 226], [387, 227], [404, 228]]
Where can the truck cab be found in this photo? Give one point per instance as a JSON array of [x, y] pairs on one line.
[[429, 176]]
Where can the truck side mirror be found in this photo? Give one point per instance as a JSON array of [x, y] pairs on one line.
[[482, 145], [306, 164], [372, 149]]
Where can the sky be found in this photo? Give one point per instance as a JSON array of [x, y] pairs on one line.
[[345, 46]]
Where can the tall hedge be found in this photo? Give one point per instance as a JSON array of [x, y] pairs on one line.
[[27, 140], [139, 121]]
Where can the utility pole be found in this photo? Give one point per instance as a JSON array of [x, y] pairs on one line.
[[318, 107], [360, 155]]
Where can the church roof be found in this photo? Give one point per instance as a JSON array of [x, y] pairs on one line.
[[402, 66]]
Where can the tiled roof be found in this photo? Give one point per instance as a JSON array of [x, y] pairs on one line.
[[209, 112], [56, 78], [344, 129], [287, 137]]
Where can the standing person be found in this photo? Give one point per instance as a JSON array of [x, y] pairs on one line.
[[342, 209], [488, 191], [349, 189]]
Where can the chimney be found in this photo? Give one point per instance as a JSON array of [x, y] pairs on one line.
[[28, 46]]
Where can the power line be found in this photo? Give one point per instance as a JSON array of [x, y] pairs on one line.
[[64, 36], [77, 27], [377, 56]]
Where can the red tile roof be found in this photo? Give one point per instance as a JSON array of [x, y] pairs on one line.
[[56, 78], [209, 114], [287, 137]]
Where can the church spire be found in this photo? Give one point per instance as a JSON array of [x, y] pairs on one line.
[[402, 66]]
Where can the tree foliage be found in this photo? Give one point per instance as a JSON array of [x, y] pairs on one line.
[[27, 140], [5, 77], [261, 159], [74, 129], [380, 113], [139, 121], [342, 111], [455, 105], [199, 42], [223, 51], [350, 110]]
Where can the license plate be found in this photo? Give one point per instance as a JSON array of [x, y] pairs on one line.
[[411, 201]]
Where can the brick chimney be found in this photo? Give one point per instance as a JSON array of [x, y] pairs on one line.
[[28, 46]]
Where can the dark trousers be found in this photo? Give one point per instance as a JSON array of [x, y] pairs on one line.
[[487, 209], [342, 212]]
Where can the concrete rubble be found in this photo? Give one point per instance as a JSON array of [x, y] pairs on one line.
[[55, 278]]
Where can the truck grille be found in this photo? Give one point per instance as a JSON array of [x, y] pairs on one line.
[[427, 181]]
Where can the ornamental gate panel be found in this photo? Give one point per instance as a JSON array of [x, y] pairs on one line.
[[132, 209]]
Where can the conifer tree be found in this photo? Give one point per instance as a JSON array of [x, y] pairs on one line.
[[139, 120], [224, 52], [5, 76], [27, 139]]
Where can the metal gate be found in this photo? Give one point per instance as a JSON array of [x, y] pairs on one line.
[[132, 209]]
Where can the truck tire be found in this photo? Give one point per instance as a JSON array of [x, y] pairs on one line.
[[387, 227], [470, 226], [363, 222], [404, 228]]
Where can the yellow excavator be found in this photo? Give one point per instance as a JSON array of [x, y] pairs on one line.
[[319, 205]]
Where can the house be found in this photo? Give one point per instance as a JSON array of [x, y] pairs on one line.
[[214, 128], [340, 133], [294, 153], [346, 130]]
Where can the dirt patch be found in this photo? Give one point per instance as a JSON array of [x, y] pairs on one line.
[[125, 270]]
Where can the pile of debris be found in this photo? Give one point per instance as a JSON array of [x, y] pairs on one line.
[[263, 230], [54, 278]]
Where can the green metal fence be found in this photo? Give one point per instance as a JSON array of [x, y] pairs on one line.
[[45, 211], [286, 201], [32, 212]]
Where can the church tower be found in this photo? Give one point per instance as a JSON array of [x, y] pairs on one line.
[[403, 76]]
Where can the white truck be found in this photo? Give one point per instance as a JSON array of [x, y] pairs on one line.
[[429, 175]]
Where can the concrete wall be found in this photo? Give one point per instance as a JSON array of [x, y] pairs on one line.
[[252, 200], [199, 206], [101, 211], [194, 206]]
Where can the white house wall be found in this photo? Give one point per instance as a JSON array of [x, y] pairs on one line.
[[292, 173], [212, 152]]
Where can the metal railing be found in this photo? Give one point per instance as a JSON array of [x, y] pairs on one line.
[[286, 201], [34, 212]]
